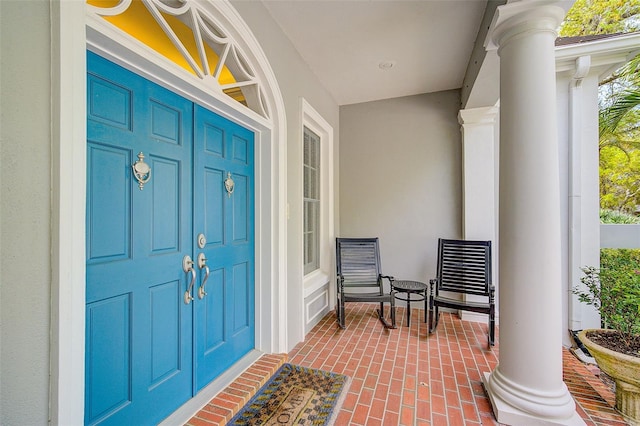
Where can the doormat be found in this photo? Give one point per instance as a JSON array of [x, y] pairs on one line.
[[295, 395]]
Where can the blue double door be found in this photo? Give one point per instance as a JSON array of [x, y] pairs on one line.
[[170, 247]]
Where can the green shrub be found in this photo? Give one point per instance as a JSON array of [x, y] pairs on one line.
[[614, 216], [614, 290]]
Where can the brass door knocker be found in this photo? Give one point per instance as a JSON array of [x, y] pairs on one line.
[[141, 171], [229, 184]]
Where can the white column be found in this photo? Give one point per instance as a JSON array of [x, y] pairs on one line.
[[583, 191], [479, 185], [526, 387]]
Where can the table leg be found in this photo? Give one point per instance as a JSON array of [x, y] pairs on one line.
[[408, 309]]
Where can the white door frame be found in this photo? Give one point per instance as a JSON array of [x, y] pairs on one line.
[[72, 35]]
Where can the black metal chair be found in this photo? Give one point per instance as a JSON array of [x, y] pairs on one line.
[[358, 265], [464, 266]]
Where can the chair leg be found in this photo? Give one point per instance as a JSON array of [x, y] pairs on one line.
[[381, 316], [434, 318], [492, 328], [432, 285], [341, 321], [393, 313], [426, 304], [431, 316]]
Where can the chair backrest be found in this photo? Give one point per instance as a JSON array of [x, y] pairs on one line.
[[464, 266], [358, 261]]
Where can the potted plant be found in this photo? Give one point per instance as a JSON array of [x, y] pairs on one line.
[[615, 291]]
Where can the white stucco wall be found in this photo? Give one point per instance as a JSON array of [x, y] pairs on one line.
[[400, 178], [296, 81], [24, 212]]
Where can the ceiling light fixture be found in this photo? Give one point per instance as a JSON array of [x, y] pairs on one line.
[[386, 65]]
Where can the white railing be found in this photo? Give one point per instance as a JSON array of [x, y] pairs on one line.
[[619, 236]]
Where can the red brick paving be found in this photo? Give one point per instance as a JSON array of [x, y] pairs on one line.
[[406, 377]]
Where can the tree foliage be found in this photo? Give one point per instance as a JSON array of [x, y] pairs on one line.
[[619, 124], [619, 179], [588, 17], [619, 100]]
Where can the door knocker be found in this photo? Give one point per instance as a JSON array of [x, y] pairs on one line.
[[141, 171], [229, 184]]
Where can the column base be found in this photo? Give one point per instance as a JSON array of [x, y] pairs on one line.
[[509, 414]]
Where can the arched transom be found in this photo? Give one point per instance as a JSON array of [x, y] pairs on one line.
[[186, 34]]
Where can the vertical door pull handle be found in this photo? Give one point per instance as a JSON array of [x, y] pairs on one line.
[[187, 266], [202, 264]]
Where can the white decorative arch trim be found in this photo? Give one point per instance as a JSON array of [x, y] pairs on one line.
[[208, 31], [74, 30]]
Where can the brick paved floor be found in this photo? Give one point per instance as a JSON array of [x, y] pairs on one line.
[[404, 376]]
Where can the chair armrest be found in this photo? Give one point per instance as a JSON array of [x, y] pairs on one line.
[[391, 279]]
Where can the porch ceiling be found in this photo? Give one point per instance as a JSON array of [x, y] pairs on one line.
[[429, 43]]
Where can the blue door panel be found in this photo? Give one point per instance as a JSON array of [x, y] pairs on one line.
[[147, 350], [165, 331], [107, 211], [226, 149], [139, 237], [213, 326], [240, 148], [212, 139], [108, 361], [165, 123], [213, 212], [240, 210], [109, 103], [165, 218], [240, 287]]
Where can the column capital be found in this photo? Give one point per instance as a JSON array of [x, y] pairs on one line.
[[522, 17], [481, 115]]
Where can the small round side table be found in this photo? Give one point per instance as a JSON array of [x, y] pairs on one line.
[[409, 288]]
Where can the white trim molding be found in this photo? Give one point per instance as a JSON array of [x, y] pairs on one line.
[[322, 277], [68, 203]]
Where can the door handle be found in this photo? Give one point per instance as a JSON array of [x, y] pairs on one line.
[[187, 266], [202, 264]]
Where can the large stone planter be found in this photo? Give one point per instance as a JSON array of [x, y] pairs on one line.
[[625, 370]]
